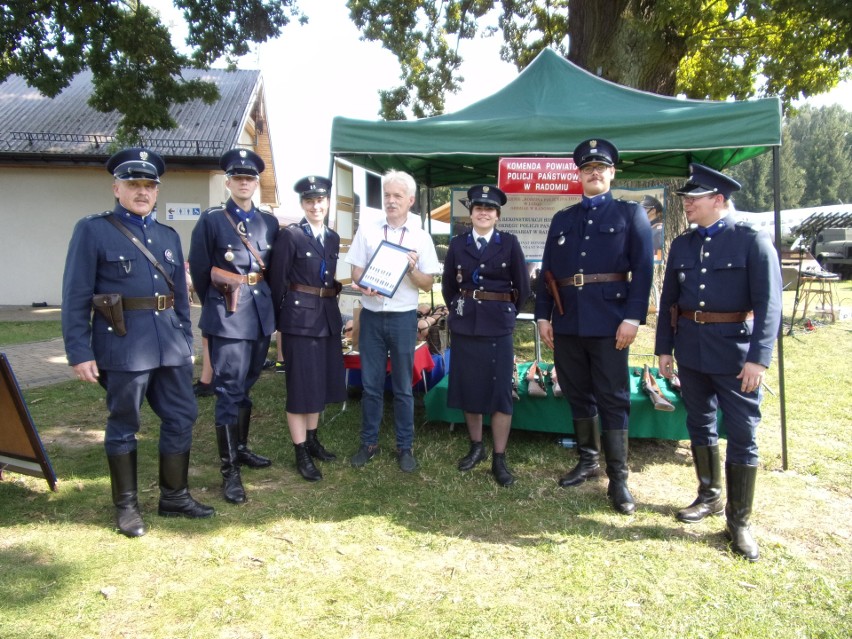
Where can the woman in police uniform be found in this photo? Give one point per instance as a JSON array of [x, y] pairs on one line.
[[304, 260], [485, 281]]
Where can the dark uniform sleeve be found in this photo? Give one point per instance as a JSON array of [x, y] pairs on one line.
[[449, 286], [200, 250], [664, 342], [78, 286], [520, 275], [278, 272], [641, 257], [764, 274], [181, 291]]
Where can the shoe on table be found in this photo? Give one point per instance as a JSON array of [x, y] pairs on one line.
[[364, 454], [203, 389], [407, 463]]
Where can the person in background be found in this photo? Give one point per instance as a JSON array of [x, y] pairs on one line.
[[229, 250], [484, 283], [599, 254], [305, 294], [720, 310], [388, 325], [654, 208], [138, 343]]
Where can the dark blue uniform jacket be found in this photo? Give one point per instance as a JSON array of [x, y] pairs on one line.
[[739, 271], [213, 240], [612, 237], [102, 260], [299, 258], [499, 269]]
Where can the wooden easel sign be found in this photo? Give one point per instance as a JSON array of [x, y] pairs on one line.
[[20, 446]]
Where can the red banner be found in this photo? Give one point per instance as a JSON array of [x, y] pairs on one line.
[[542, 176]]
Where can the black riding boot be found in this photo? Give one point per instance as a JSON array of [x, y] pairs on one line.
[[122, 474], [304, 463], [475, 455], [615, 451], [501, 473], [740, 479], [589, 448], [175, 500], [316, 449], [232, 481], [709, 472], [246, 457]]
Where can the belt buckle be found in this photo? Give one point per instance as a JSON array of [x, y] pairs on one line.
[[695, 317], [578, 279], [251, 279], [475, 292], [162, 302]]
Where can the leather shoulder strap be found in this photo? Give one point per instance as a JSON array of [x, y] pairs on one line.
[[148, 255], [248, 245]]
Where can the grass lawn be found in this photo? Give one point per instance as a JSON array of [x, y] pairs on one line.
[[375, 553], [25, 332]]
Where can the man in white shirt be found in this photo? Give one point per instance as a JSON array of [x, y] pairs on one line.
[[389, 324]]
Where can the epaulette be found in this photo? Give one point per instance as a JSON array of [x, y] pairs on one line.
[[101, 214]]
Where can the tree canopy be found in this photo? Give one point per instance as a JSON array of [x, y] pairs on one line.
[[704, 49], [135, 68]]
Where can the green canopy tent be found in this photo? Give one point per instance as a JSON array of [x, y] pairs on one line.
[[548, 109]]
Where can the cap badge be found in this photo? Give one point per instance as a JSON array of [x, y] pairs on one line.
[[242, 153], [312, 179], [593, 143], [485, 189], [143, 155]]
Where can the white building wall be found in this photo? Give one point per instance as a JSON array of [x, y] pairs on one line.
[[40, 206]]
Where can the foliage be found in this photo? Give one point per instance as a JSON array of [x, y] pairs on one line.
[[816, 163], [136, 69], [702, 48]]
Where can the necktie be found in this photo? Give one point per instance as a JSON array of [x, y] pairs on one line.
[[482, 243], [320, 238]]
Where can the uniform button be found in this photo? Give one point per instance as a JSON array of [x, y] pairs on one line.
[[503, 265], [742, 330], [308, 253], [121, 257], [156, 276], [594, 208], [580, 271], [701, 304], [255, 291], [156, 312], [297, 302], [583, 254], [708, 238], [707, 254], [729, 265], [481, 288], [704, 270], [586, 238], [701, 286], [482, 266], [109, 328], [589, 222], [618, 294], [611, 230], [149, 240]]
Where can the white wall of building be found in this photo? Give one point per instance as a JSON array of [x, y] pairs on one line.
[[41, 205]]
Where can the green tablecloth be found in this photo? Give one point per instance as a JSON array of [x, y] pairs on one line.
[[553, 415]]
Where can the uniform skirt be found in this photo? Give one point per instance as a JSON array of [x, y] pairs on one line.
[[481, 374], [314, 372]]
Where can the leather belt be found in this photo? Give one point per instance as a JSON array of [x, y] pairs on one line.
[[706, 317], [156, 303], [581, 279], [314, 290], [485, 295]]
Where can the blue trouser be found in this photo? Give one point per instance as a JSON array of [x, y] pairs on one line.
[[703, 394], [383, 335], [593, 376], [168, 390], [237, 363]]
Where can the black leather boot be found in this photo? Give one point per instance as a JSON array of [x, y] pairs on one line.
[[709, 472], [246, 457], [305, 464], [316, 449], [232, 481], [615, 451], [740, 479], [175, 500], [475, 455], [501, 473], [122, 474], [589, 448]]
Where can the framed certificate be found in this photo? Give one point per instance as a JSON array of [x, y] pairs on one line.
[[386, 268]]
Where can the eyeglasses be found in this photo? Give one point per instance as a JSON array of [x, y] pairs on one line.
[[600, 169]]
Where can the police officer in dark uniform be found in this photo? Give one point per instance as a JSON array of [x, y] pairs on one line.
[[227, 259], [598, 260], [304, 260], [720, 310], [138, 344], [484, 284]]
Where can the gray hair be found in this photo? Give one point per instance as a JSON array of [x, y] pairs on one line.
[[402, 178]]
